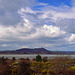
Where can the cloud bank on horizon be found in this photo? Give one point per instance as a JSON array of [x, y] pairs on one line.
[[36, 23]]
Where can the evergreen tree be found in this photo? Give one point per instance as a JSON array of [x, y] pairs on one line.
[[38, 58]]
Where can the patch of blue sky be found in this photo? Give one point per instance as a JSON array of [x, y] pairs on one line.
[[57, 2], [38, 7]]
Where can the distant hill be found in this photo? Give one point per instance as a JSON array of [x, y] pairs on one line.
[[35, 51], [28, 51]]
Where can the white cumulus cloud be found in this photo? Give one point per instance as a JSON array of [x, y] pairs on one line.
[[72, 38]]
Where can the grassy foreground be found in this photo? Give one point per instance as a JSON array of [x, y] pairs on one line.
[[38, 66]]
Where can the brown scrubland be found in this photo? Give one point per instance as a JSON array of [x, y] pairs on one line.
[[37, 66]]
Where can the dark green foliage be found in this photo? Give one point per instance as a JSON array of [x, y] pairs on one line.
[[38, 58]]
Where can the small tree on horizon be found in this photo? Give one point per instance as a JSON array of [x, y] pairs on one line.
[[38, 58]]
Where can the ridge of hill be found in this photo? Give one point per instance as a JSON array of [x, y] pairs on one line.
[[28, 51]]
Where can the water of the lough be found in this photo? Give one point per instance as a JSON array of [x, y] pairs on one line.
[[32, 56]]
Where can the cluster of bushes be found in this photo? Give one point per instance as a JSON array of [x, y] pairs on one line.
[[39, 66]]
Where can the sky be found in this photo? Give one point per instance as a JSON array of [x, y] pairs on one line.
[[37, 23]]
